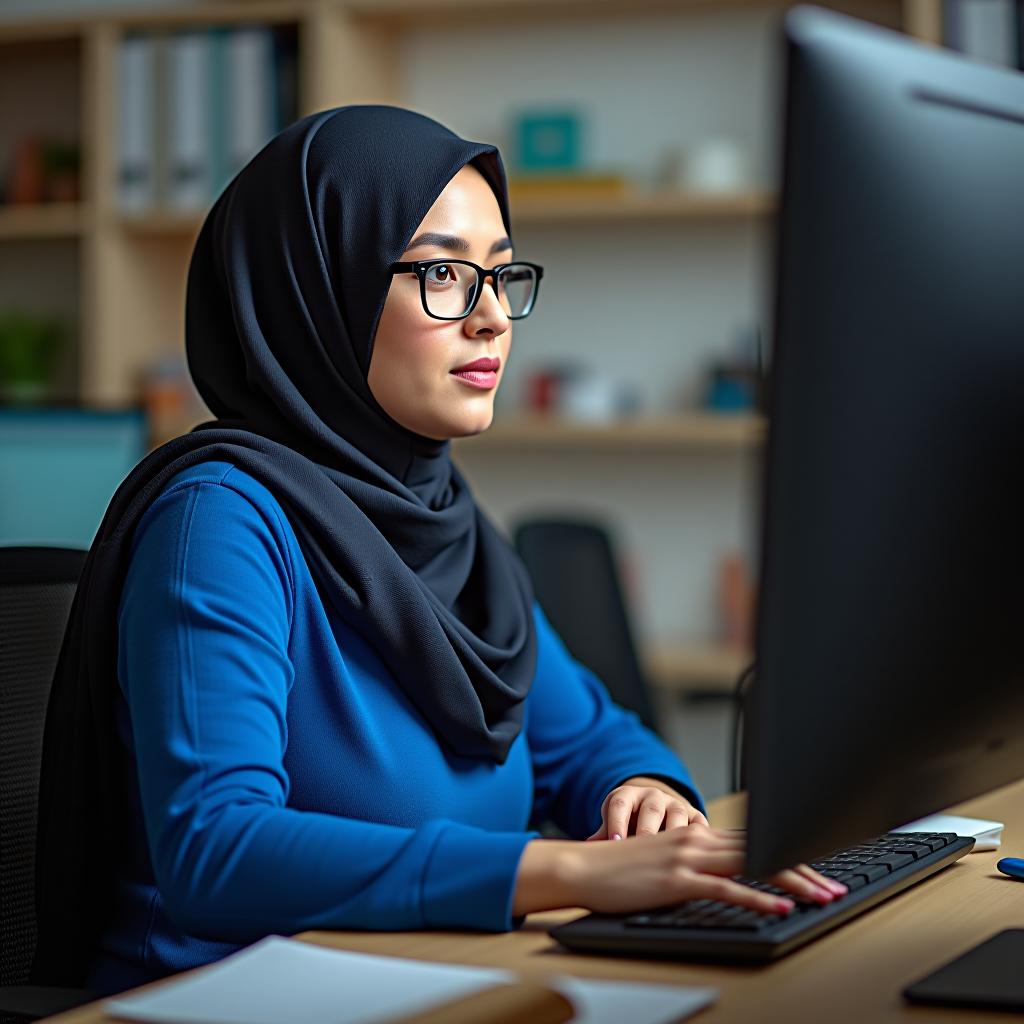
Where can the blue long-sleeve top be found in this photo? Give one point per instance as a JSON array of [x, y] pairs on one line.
[[280, 777]]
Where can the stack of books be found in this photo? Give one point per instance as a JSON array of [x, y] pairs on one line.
[[194, 107]]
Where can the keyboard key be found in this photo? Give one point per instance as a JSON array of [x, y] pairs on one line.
[[916, 850], [895, 860], [748, 921], [853, 882], [872, 872], [933, 840], [727, 916]]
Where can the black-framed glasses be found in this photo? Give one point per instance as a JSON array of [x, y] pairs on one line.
[[450, 289]]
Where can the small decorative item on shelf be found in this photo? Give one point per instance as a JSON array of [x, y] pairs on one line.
[[26, 182], [713, 165], [29, 348], [542, 387], [716, 165], [735, 602], [43, 170], [170, 399], [574, 391], [736, 383], [667, 172], [548, 141], [62, 171], [549, 158]]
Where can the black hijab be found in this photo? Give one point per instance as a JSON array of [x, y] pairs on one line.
[[285, 289]]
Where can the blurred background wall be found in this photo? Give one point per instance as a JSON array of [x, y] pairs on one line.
[[641, 140]]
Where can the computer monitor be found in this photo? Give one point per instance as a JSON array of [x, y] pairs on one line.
[[890, 634], [59, 468]]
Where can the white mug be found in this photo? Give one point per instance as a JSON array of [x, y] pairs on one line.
[[716, 165]]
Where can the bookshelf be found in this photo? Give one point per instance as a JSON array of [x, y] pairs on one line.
[[47, 220], [633, 206], [402, 13], [123, 276], [132, 268]]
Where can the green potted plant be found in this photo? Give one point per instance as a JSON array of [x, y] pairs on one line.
[[29, 347], [61, 161]]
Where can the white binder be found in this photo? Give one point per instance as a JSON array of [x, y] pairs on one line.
[[249, 94], [136, 152], [188, 116]]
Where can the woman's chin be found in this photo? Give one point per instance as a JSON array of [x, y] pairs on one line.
[[470, 424]]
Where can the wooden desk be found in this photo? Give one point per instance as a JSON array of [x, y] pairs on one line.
[[854, 974]]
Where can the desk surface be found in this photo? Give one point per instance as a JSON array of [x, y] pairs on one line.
[[855, 973]]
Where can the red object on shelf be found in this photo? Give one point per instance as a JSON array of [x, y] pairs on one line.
[[27, 182], [736, 602], [542, 391]]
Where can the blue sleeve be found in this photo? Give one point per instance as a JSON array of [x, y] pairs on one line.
[[583, 744], [204, 665]]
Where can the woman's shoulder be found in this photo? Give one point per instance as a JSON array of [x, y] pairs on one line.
[[224, 493], [210, 527], [222, 474]]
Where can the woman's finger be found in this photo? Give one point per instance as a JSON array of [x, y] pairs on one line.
[[703, 887], [618, 811], [723, 863], [806, 871], [800, 886], [718, 839], [676, 817], [650, 816]]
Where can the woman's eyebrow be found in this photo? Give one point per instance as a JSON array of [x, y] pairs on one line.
[[454, 242]]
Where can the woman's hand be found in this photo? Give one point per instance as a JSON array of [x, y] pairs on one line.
[[686, 863], [642, 806]]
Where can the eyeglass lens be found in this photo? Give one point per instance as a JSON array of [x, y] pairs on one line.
[[450, 289]]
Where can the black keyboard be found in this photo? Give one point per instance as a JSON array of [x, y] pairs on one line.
[[713, 930]]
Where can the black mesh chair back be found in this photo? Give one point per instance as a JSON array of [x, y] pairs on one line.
[[37, 586], [574, 571]]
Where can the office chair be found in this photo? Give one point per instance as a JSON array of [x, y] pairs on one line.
[[573, 568], [37, 585]]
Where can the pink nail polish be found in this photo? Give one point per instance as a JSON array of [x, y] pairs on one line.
[[824, 894], [783, 906], [616, 836]]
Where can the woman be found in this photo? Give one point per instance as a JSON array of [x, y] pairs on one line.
[[305, 683]]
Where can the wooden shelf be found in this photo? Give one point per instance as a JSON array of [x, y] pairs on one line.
[[41, 220], [692, 431], [557, 208], [214, 12], [690, 666], [674, 205], [408, 12], [161, 223]]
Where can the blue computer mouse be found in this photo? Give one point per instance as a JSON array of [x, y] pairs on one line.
[[1012, 866]]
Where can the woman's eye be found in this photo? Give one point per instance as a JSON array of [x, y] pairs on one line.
[[440, 273]]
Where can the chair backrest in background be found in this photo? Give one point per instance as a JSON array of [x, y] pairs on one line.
[[37, 586], [575, 577]]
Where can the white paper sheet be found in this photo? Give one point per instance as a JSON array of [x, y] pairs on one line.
[[988, 835], [279, 980]]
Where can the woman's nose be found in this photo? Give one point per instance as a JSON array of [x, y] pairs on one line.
[[488, 317]]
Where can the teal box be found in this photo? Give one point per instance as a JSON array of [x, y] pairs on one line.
[[548, 141]]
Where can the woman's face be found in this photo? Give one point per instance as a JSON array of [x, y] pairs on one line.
[[414, 356]]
